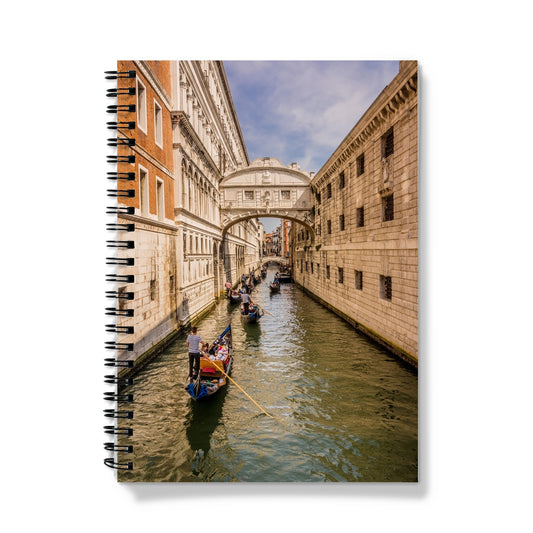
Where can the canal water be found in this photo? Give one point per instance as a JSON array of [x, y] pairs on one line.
[[345, 409]]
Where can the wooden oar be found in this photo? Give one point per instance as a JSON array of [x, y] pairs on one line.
[[273, 316], [246, 394]]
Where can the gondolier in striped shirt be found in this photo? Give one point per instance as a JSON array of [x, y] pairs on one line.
[[193, 342]]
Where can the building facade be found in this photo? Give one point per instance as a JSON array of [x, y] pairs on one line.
[[187, 138], [362, 261]]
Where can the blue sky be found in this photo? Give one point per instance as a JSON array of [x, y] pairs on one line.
[[302, 110]]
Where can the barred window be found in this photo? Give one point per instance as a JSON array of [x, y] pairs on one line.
[[329, 227], [341, 180], [385, 287], [248, 195], [327, 271], [387, 144], [360, 217], [340, 275], [285, 195], [328, 190], [358, 280], [341, 222], [153, 289], [360, 165], [387, 208], [312, 269]]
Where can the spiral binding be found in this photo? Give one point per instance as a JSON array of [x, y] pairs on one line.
[[121, 296]]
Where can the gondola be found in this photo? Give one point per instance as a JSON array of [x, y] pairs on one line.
[[263, 274], [274, 286], [234, 298], [285, 278], [211, 379], [254, 314]]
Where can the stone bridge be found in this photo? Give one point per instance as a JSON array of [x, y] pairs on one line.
[[267, 188], [274, 259]]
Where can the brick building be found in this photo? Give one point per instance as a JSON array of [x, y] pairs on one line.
[[187, 137]]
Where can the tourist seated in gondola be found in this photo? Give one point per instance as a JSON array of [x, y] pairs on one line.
[[204, 352]]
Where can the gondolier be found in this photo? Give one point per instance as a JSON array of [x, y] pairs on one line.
[[193, 342], [245, 297], [228, 288]]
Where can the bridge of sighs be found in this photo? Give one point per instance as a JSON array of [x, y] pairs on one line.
[[267, 188]]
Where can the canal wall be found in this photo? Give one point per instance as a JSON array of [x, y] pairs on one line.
[[362, 261], [385, 343]]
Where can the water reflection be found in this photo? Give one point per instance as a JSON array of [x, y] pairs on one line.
[[345, 409]]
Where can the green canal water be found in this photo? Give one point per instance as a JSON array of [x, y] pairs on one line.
[[345, 409]]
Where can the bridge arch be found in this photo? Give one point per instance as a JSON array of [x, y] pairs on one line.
[[267, 188]]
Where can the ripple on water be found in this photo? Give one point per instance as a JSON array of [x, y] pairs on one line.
[[344, 409]]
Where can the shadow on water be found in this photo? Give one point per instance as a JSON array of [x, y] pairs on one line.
[[202, 421]]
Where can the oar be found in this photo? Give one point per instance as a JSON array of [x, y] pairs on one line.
[[246, 394], [268, 313]]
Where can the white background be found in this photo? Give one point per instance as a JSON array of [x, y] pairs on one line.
[[475, 221]]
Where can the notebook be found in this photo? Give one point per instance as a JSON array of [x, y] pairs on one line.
[[263, 271]]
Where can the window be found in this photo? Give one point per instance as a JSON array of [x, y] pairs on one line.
[[319, 229], [340, 275], [328, 190], [387, 208], [153, 289], [144, 200], [307, 266], [329, 227], [385, 287], [327, 272], [360, 217], [387, 144], [141, 106], [341, 222], [285, 195], [341, 180], [360, 165], [248, 195], [318, 270], [160, 199], [318, 198], [158, 124], [358, 280], [312, 269]]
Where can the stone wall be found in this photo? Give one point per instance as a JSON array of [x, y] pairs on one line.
[[367, 223]]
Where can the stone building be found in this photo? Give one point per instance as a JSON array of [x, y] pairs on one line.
[[187, 138], [362, 261]]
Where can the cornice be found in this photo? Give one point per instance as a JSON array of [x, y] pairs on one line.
[[181, 119], [150, 223]]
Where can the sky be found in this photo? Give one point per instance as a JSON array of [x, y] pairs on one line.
[[300, 111]]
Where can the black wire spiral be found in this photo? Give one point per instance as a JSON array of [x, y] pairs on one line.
[[119, 280]]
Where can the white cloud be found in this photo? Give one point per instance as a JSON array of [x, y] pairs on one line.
[[301, 111]]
